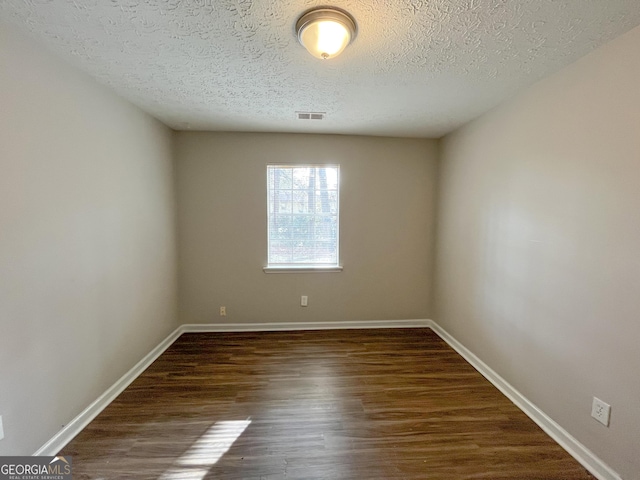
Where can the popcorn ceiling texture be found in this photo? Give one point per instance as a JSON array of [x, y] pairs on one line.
[[416, 68]]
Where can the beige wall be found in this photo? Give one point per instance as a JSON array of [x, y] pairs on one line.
[[386, 229], [87, 243], [538, 248]]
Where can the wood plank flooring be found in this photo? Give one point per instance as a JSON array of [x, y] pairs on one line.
[[339, 404]]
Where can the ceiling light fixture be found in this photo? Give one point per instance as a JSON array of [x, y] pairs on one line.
[[325, 32]]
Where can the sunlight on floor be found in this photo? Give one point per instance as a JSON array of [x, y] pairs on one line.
[[206, 451]]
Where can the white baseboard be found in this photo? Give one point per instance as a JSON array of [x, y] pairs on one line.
[[75, 426], [286, 326], [576, 449]]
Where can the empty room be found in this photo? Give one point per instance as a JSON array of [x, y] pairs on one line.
[[298, 240]]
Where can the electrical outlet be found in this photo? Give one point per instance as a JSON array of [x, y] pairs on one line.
[[601, 411], [223, 311], [1, 429], [304, 301]]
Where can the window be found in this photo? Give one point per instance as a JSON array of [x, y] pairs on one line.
[[303, 211]]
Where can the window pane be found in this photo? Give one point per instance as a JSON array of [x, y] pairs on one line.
[[281, 251], [301, 178], [282, 178], [303, 207], [300, 201], [282, 227]]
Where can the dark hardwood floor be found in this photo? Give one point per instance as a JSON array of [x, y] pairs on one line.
[[339, 404]]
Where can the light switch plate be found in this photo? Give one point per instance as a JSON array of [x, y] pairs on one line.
[[1, 429]]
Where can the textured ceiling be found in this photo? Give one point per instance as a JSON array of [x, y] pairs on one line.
[[416, 68]]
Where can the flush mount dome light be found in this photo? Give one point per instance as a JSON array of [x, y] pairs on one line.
[[325, 32]]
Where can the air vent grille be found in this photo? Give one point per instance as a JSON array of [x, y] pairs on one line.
[[311, 115]]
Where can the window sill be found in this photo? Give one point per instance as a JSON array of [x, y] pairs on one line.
[[292, 269]]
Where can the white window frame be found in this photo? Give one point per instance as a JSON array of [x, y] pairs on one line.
[[302, 267]]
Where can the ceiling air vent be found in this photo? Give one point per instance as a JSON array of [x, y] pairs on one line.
[[311, 115]]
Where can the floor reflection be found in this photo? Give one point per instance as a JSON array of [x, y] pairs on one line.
[[206, 451]]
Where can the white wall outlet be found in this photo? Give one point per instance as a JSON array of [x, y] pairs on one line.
[[223, 311], [1, 429], [304, 301], [601, 411]]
